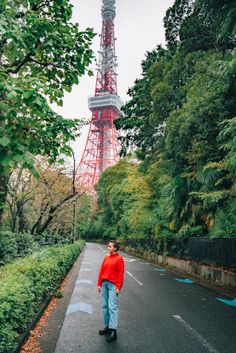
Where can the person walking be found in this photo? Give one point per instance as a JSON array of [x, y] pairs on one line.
[[110, 282]]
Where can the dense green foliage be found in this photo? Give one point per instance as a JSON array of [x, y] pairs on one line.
[[25, 283], [180, 121], [14, 245], [85, 209], [42, 54]]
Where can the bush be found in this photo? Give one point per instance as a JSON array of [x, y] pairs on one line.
[[25, 283], [25, 244], [8, 247], [14, 245], [52, 239]]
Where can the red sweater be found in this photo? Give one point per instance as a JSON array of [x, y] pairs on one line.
[[112, 270]]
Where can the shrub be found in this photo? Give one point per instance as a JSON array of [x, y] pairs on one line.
[[25, 283], [47, 238], [25, 244], [14, 245], [8, 247]]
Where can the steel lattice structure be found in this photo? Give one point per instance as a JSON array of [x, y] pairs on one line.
[[102, 146]]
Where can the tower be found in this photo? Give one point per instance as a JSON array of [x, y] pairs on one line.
[[102, 146]]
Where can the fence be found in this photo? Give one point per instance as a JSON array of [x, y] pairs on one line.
[[219, 252]]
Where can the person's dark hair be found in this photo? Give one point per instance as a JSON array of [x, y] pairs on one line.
[[116, 244]]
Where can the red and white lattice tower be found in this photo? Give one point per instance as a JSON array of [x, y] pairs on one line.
[[102, 146]]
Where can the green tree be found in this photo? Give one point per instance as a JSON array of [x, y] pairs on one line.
[[85, 210], [123, 202], [136, 114], [193, 25], [181, 112], [42, 54]]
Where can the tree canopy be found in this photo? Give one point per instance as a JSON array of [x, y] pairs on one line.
[[42, 55], [180, 123]]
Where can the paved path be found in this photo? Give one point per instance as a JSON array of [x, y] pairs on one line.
[[159, 312]]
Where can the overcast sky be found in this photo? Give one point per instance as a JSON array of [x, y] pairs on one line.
[[138, 28]]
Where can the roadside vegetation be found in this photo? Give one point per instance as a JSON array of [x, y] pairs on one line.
[[42, 55], [25, 283], [178, 176]]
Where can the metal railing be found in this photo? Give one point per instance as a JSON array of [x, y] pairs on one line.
[[220, 252]]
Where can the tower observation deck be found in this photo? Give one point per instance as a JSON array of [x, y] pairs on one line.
[[102, 146]]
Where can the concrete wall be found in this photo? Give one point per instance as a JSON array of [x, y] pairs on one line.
[[213, 274]]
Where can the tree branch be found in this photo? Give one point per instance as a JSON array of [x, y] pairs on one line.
[[37, 223], [10, 69], [53, 209], [38, 6], [45, 64]]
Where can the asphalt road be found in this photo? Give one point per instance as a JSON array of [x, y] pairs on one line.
[[159, 312]]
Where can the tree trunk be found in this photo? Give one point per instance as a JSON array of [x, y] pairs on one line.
[[34, 229], [13, 213], [51, 213], [3, 194], [21, 216]]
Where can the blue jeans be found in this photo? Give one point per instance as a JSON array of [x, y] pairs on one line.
[[109, 304]]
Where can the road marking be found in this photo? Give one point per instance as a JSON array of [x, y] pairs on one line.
[[231, 302], [189, 281], [83, 280], [130, 260], [131, 275], [159, 269], [85, 269], [86, 263], [145, 263], [197, 335], [86, 308]]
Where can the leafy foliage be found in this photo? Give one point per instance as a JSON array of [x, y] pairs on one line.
[[180, 123], [85, 209], [39, 205], [25, 283], [14, 245], [42, 55]]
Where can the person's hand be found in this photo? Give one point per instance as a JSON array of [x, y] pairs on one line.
[[99, 289], [117, 291]]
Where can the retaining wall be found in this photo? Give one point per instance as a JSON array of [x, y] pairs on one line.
[[215, 274]]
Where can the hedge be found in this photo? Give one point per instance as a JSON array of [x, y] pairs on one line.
[[25, 283], [15, 245]]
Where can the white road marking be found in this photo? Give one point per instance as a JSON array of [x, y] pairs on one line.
[[83, 280], [197, 335], [87, 308], [131, 275], [130, 260]]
